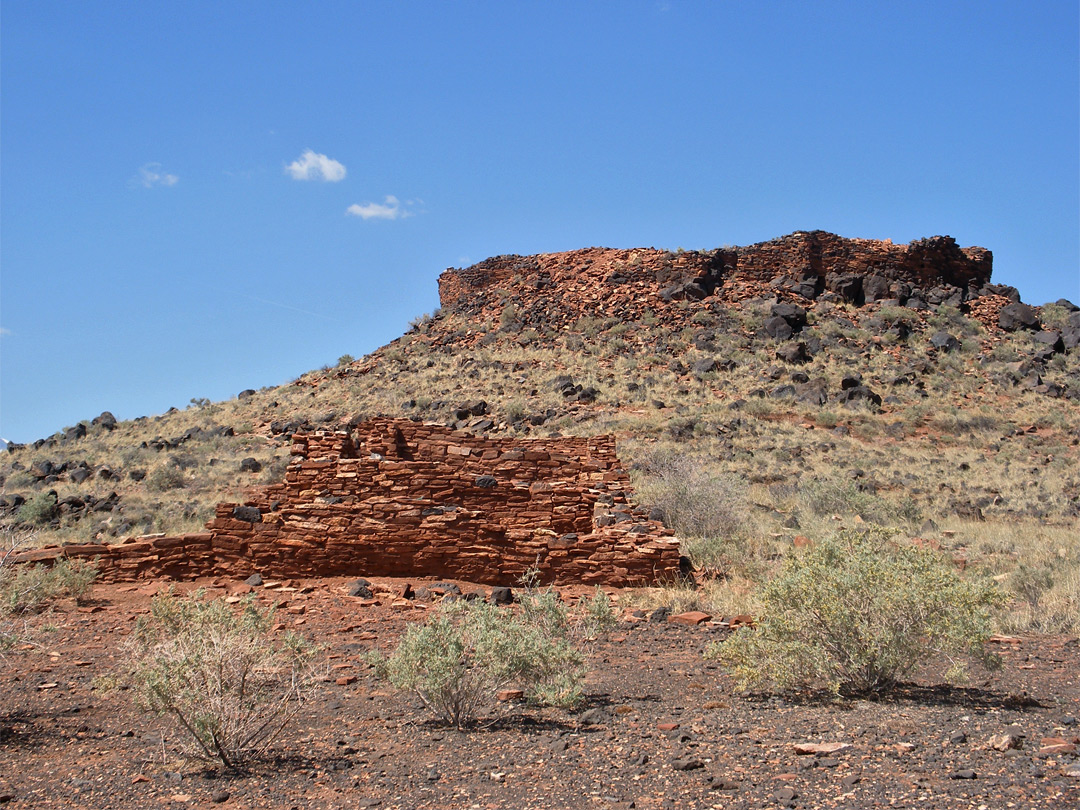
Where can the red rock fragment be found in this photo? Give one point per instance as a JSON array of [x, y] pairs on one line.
[[690, 617]]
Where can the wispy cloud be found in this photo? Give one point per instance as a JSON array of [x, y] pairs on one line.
[[390, 208], [313, 166], [4, 331], [151, 174], [288, 306]]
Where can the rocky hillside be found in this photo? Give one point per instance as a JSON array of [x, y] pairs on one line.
[[807, 376]]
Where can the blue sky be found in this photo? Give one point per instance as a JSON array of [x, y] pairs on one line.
[[202, 197]]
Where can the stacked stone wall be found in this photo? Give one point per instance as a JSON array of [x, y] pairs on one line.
[[398, 498]]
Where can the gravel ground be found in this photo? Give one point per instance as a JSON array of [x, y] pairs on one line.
[[661, 728]]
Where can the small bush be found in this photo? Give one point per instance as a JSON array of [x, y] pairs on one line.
[[220, 673], [697, 501], [26, 590], [469, 650], [39, 510], [599, 616], [345, 360], [165, 478], [855, 613], [835, 496]]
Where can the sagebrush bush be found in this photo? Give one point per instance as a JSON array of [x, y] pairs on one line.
[[26, 590], [599, 616], [855, 613], [468, 650], [221, 673], [699, 502], [164, 478], [38, 510], [836, 496]]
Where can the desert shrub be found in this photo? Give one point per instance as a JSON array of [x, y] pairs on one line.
[[468, 650], [38, 510], [508, 317], [26, 590], [855, 613], [696, 500], [220, 673], [837, 496], [598, 617], [345, 360], [1045, 587], [515, 410], [164, 478]]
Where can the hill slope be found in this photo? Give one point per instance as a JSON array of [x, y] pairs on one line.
[[788, 381]]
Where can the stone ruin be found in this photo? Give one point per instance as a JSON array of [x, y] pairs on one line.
[[402, 498], [553, 290]]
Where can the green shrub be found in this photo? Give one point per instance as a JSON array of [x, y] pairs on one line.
[[26, 590], [164, 478], [38, 510], [855, 613], [468, 650], [837, 496], [220, 673], [599, 617]]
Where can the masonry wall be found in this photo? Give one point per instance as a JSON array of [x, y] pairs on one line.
[[398, 498]]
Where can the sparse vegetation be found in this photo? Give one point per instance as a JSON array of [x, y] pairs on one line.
[[856, 613], [468, 650], [28, 590], [220, 673]]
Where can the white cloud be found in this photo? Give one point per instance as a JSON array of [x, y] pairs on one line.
[[152, 175], [313, 166], [390, 208], [4, 331]]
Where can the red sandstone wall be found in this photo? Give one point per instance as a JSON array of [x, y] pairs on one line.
[[405, 499]]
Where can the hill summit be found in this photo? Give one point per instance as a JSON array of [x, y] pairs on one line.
[[555, 289]]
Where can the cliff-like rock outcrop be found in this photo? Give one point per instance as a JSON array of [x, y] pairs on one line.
[[555, 289]]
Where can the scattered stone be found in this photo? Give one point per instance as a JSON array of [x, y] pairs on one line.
[[690, 617], [819, 749], [786, 796], [255, 580], [794, 353], [963, 773], [593, 717], [250, 465], [1011, 738], [687, 764], [501, 596], [219, 796], [360, 588], [248, 514], [944, 342]]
